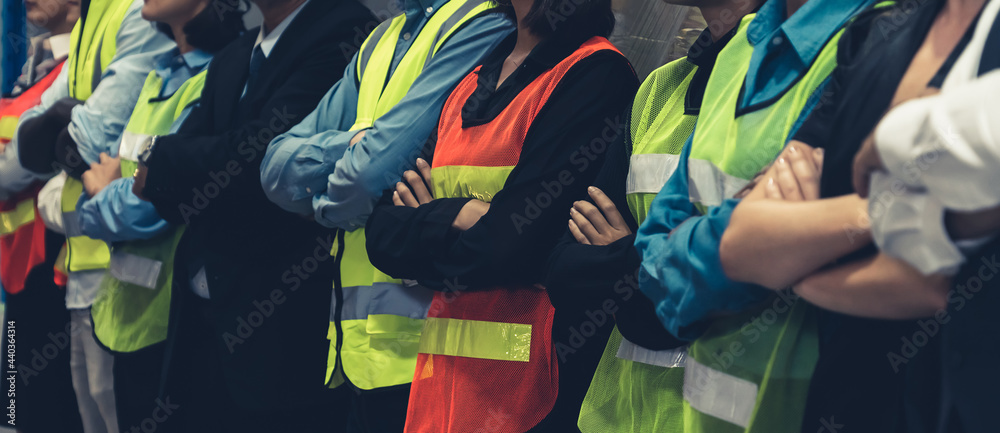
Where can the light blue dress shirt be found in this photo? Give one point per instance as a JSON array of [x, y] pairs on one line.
[[681, 272], [101, 119], [97, 124], [311, 170], [115, 214]]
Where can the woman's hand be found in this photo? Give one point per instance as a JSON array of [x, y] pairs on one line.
[[470, 214], [597, 225], [101, 174], [420, 190], [795, 176]]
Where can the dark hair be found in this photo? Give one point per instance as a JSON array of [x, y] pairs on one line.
[[214, 27], [566, 18]]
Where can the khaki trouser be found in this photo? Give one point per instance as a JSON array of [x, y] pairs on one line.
[[92, 379]]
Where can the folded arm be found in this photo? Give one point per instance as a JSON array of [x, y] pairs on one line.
[[681, 271], [97, 125], [877, 287], [359, 172], [182, 164], [115, 214], [509, 244]]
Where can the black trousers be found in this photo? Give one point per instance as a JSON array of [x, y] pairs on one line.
[[378, 411], [201, 400], [44, 388], [137, 387]]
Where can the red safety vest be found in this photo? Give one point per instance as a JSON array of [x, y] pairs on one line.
[[22, 232], [486, 360]]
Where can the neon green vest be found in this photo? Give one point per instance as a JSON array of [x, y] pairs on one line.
[[749, 372], [133, 306], [92, 47], [375, 321], [637, 390]]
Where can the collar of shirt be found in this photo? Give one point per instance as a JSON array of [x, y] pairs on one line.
[[704, 50], [543, 57], [426, 7], [267, 40], [785, 47], [175, 68], [703, 54]]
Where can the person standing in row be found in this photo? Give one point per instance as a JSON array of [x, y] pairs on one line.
[[247, 326], [636, 387], [34, 303], [333, 166], [514, 131], [111, 52], [131, 311], [739, 379]]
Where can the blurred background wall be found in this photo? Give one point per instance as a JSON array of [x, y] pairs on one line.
[[649, 32]]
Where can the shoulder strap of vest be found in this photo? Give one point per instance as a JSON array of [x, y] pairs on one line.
[[368, 47], [465, 14]]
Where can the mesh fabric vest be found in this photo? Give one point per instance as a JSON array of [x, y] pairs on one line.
[[133, 305], [375, 320], [749, 372], [636, 389], [92, 47], [486, 356], [22, 232]]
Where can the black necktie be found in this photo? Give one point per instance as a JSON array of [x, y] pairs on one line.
[[256, 61]]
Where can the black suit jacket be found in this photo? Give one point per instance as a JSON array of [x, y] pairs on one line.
[[208, 177]]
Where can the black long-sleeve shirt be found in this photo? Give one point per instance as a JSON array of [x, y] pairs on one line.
[[562, 152], [567, 140]]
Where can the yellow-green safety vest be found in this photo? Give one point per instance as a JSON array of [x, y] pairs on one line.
[[749, 372], [375, 320], [638, 390], [92, 47], [133, 305]]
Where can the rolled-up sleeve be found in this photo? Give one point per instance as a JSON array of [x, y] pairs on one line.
[[358, 174], [942, 153], [115, 214], [681, 271], [98, 124]]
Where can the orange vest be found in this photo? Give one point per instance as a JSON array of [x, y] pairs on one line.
[[486, 360], [22, 232]]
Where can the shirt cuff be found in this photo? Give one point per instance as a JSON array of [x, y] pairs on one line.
[[896, 138], [909, 225]]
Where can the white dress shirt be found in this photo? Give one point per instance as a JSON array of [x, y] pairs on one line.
[[941, 153]]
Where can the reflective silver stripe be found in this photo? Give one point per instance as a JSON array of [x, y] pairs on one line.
[[373, 39], [718, 394], [133, 269], [130, 145], [446, 26], [384, 298], [647, 173], [709, 185], [669, 358], [71, 222]]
